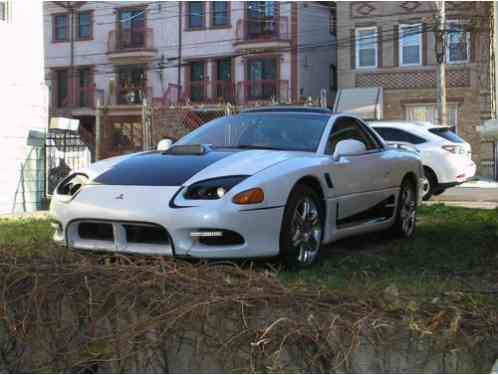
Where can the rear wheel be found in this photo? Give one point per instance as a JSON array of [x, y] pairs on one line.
[[430, 184], [406, 212], [302, 228]]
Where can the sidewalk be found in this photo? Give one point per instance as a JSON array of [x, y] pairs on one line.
[[481, 205], [471, 194]]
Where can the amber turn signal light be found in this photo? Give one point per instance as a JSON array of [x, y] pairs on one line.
[[250, 196]]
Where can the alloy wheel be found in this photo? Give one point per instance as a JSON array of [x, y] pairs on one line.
[[306, 230], [408, 210]]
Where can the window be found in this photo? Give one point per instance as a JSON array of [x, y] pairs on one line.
[[61, 28], [127, 135], [398, 135], [428, 113], [132, 28], [224, 78], [447, 134], [195, 16], [262, 76], [333, 21], [220, 13], [458, 43], [131, 84], [366, 47], [197, 83], [84, 85], [410, 45], [84, 30], [62, 87], [262, 19], [348, 128], [297, 132]]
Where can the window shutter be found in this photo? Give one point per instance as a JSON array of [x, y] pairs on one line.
[[396, 45], [353, 49], [379, 47]]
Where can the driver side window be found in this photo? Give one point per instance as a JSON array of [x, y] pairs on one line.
[[348, 128]]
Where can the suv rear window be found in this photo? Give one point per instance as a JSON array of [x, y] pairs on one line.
[[447, 134], [397, 135]]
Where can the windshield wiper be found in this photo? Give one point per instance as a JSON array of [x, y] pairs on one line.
[[259, 147]]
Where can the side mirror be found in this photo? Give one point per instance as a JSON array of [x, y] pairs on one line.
[[348, 147], [164, 144]]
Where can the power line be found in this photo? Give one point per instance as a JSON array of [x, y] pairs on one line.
[[303, 47], [193, 45]]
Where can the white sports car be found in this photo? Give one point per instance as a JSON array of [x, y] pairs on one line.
[[267, 182]]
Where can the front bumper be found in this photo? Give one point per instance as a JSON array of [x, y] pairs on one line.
[[149, 207]]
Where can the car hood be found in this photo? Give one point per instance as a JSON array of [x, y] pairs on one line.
[[160, 169]]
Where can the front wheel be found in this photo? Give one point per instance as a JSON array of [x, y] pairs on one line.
[[302, 228], [404, 225]]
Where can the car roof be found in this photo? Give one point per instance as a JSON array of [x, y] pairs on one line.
[[301, 109], [420, 125]]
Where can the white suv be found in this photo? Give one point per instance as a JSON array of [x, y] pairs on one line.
[[446, 157]]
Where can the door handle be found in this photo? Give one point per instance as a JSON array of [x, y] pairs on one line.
[[343, 161], [387, 174]]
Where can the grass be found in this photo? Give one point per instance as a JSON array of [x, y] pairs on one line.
[[454, 249]]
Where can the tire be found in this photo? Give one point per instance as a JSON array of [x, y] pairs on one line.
[[301, 234], [406, 210], [431, 179]]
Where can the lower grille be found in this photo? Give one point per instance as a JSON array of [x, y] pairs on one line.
[[96, 231], [140, 238], [146, 234]]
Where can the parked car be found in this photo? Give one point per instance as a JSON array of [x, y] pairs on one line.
[[447, 158], [257, 184]]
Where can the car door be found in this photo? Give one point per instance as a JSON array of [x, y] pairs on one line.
[[359, 181]]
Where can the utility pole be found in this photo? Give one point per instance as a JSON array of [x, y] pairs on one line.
[[440, 34]]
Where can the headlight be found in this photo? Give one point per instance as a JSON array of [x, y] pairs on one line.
[[72, 184], [214, 188]]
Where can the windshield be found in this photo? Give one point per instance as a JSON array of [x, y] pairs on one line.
[[447, 134], [276, 131]]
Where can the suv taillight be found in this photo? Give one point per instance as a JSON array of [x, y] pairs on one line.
[[454, 149]]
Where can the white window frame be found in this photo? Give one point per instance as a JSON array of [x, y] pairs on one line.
[[401, 39], [467, 37], [357, 47]]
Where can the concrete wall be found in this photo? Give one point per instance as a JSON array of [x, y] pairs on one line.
[[24, 109]]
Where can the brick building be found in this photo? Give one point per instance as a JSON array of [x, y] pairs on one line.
[[391, 45]]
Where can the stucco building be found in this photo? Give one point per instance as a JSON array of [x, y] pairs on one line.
[[176, 53]]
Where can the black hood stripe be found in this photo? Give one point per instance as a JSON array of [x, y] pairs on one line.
[[158, 169]]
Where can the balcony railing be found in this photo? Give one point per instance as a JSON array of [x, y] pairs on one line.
[[200, 92], [263, 90], [244, 92], [130, 40], [262, 30], [132, 94]]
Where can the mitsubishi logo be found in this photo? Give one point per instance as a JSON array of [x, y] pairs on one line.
[[120, 196]]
